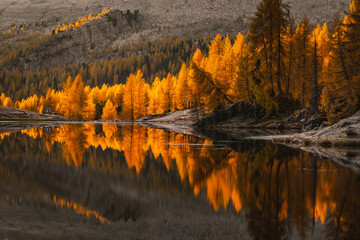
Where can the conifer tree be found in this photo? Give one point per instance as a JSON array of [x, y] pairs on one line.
[[315, 93], [77, 98], [154, 95], [50, 99], [302, 61], [168, 93], [266, 33], [341, 96], [135, 99], [129, 98], [181, 88], [65, 98], [109, 111], [240, 87]]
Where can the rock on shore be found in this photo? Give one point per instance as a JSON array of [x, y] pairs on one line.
[[9, 113]]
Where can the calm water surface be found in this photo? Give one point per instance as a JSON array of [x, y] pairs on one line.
[[107, 181]]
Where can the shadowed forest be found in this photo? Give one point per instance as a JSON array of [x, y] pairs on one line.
[[280, 65]]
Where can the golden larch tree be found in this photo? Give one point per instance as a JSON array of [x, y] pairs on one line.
[[109, 111]]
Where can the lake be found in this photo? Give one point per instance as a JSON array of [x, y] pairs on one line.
[[124, 181]]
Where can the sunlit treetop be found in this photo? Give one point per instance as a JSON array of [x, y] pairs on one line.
[[80, 22]]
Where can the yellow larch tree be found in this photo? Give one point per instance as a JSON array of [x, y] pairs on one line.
[[167, 94], [230, 75], [240, 87], [215, 61], [90, 110], [135, 97], [181, 88], [228, 72], [6, 101], [51, 99], [109, 111], [193, 85], [77, 99], [129, 98], [154, 97], [141, 96], [64, 97]]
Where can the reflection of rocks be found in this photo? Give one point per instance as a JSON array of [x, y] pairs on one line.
[[47, 129], [339, 142], [7, 127]]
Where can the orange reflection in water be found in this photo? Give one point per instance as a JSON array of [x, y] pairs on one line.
[[288, 183], [79, 209]]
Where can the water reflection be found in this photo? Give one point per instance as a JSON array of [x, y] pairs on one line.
[[102, 172]]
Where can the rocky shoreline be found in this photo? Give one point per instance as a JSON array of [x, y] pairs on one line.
[[345, 133], [339, 142], [10, 113]]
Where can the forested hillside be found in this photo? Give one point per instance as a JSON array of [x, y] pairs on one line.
[[279, 64]]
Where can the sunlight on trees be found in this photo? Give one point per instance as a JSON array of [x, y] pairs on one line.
[[278, 65], [109, 111]]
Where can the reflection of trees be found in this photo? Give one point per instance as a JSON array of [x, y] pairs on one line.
[[73, 139], [282, 190], [134, 146]]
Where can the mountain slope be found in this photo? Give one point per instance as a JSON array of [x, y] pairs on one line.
[[167, 17]]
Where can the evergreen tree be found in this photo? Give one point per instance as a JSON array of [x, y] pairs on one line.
[[266, 38]]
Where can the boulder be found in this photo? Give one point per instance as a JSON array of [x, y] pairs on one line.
[[315, 122], [235, 109]]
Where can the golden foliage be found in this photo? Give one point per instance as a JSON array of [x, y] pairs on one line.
[[109, 111], [80, 22]]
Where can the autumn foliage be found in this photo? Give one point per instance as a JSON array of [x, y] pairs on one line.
[[109, 111], [80, 22], [278, 65]]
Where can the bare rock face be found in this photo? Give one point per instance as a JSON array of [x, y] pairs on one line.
[[73, 45]]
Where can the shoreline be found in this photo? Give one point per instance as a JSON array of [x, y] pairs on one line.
[[339, 142]]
